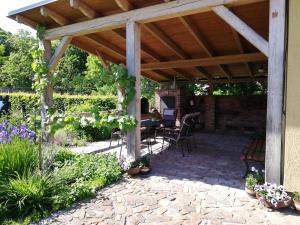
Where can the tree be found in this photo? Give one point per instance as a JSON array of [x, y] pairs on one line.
[[70, 70], [16, 70]]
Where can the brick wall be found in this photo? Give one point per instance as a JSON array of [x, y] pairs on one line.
[[225, 113]]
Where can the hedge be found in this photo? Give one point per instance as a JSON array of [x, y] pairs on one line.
[[61, 102]]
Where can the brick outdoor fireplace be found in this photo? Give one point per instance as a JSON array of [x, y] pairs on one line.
[[171, 98]]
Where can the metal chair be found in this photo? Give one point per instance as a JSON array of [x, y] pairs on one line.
[[169, 117], [178, 136]]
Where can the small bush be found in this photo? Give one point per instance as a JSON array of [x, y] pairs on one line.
[[28, 194], [297, 196], [18, 157]]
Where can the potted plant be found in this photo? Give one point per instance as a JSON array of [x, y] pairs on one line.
[[252, 180], [273, 196], [144, 165], [297, 201]]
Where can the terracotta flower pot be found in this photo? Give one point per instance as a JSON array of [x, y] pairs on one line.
[[250, 191], [297, 204], [134, 171], [279, 206]]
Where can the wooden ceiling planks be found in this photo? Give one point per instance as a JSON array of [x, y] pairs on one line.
[[165, 40]]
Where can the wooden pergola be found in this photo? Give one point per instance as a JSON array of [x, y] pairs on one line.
[[204, 41]]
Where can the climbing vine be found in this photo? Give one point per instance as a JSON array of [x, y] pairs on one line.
[[39, 66]]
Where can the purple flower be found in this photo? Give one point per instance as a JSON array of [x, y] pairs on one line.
[[8, 132]]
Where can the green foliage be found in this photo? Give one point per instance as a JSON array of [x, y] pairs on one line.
[[62, 103], [16, 70], [69, 75], [254, 88], [31, 195], [148, 88], [40, 69], [297, 196], [28, 194], [254, 179], [17, 157]]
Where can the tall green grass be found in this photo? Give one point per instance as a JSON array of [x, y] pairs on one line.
[[17, 158]]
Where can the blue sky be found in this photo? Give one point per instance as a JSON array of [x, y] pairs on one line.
[[9, 5]]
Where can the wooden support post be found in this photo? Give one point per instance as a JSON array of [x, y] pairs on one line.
[[133, 52], [47, 97], [275, 91]]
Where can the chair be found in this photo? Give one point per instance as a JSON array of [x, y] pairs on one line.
[[169, 117], [178, 136]]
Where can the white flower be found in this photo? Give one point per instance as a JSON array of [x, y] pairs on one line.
[[280, 188], [273, 187], [268, 184], [253, 169], [274, 202]]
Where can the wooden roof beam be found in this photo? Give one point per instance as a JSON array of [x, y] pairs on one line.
[[210, 61], [84, 9], [46, 12], [238, 42], [241, 27], [143, 15], [124, 5], [163, 38], [24, 20], [200, 39], [233, 80]]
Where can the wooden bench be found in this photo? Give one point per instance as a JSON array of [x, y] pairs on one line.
[[254, 152]]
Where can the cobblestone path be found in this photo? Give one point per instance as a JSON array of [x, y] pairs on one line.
[[205, 188]]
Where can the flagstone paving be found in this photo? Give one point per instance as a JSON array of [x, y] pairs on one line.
[[204, 187]]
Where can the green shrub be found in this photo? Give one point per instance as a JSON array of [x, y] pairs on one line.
[[28, 194], [64, 157], [18, 157], [86, 107], [62, 103], [297, 196]]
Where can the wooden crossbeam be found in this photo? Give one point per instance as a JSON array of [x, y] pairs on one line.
[[241, 27], [59, 53], [240, 47], [200, 39], [46, 12], [84, 8], [143, 15], [210, 61], [26, 21]]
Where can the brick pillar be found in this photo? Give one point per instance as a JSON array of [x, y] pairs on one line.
[[210, 108]]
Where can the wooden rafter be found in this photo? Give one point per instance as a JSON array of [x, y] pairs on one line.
[[210, 61], [233, 80], [102, 59], [240, 26], [116, 51], [143, 15], [124, 5], [84, 8], [200, 39], [240, 47], [26, 21], [59, 53], [46, 12], [163, 38]]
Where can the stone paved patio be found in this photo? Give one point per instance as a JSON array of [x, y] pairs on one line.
[[205, 187]]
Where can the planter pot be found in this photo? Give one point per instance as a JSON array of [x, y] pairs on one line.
[[297, 204], [134, 171], [145, 169], [250, 192], [279, 206]]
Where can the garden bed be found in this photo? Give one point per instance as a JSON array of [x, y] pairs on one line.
[[29, 193]]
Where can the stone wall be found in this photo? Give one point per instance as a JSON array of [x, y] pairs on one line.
[[224, 113]]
